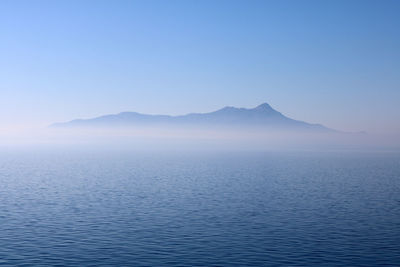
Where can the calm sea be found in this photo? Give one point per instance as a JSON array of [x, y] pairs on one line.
[[110, 208]]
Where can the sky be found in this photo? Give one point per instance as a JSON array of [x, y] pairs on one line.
[[331, 62]]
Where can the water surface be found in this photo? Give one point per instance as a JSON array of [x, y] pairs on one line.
[[119, 208]]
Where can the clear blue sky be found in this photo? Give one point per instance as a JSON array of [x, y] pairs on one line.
[[330, 62]]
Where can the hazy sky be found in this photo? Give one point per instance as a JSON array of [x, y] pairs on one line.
[[330, 62]]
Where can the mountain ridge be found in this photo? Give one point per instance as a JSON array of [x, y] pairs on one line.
[[262, 116]]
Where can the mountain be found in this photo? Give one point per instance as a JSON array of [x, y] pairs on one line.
[[260, 117]]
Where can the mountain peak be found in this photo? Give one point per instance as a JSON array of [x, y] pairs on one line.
[[264, 106]]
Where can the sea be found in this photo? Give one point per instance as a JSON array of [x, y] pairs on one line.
[[94, 207]]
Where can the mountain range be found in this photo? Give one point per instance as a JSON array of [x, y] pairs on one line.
[[261, 117]]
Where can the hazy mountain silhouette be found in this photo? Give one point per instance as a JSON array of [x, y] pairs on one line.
[[262, 117]]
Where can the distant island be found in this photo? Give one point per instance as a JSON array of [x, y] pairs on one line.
[[262, 117]]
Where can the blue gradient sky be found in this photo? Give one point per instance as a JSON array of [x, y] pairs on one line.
[[330, 62]]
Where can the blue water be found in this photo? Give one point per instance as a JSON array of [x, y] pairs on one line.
[[209, 209]]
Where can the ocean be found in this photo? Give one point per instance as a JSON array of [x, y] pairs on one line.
[[134, 208]]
